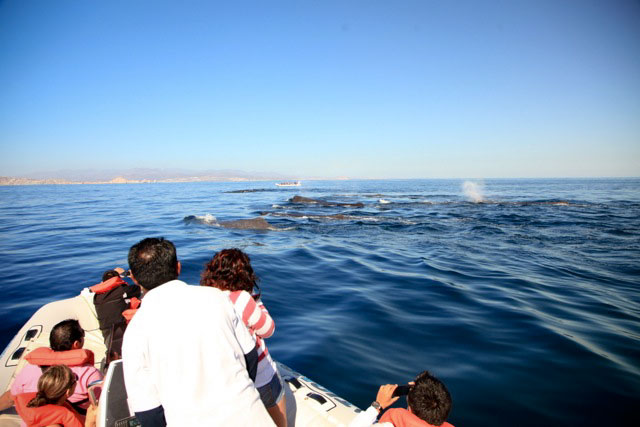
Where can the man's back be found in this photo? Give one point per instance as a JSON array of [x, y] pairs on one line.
[[184, 350]]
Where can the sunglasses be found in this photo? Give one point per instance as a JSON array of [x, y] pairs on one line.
[[74, 379]]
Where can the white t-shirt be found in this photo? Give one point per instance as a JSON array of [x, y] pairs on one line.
[[184, 349], [368, 418]]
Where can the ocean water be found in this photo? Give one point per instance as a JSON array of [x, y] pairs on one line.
[[525, 303]]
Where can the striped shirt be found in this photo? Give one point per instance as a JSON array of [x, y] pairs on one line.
[[255, 315]]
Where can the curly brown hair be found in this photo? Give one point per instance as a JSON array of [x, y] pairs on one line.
[[229, 270]]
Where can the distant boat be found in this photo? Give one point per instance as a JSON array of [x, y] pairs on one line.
[[288, 184]]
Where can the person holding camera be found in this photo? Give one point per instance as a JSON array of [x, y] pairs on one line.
[[428, 405]]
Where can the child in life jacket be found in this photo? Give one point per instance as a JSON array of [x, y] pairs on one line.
[[428, 405], [66, 340], [230, 271], [49, 406]]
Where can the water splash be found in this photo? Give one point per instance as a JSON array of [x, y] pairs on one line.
[[205, 219], [473, 191]]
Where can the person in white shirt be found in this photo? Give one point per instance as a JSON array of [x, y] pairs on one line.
[[187, 357]]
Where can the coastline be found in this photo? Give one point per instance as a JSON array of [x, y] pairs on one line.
[[9, 181]]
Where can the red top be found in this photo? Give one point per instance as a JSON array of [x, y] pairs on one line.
[[401, 417]]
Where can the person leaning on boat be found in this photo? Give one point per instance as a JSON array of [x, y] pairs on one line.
[[428, 405], [230, 271], [187, 357]]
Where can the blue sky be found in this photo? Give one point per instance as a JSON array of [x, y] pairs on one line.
[[362, 89]]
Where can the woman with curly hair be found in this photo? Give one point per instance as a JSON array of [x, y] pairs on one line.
[[230, 271], [49, 406]]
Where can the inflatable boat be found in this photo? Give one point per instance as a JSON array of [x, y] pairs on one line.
[[308, 403]]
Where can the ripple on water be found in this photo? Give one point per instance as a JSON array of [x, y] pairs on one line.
[[526, 305]]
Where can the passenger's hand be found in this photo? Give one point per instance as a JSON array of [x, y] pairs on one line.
[[119, 270], [385, 395], [92, 415]]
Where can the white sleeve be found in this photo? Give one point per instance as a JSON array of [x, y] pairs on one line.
[[365, 418], [141, 390]]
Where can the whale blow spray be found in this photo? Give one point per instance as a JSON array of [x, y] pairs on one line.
[[473, 191]]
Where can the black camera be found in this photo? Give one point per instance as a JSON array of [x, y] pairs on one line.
[[401, 390]]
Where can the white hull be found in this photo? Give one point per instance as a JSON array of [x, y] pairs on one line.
[[308, 404]]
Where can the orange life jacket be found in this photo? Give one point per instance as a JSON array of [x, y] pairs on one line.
[[44, 356], [134, 304], [46, 415], [401, 417], [107, 285]]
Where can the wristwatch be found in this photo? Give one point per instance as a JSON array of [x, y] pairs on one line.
[[376, 405]]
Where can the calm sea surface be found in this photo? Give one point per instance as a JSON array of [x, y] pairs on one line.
[[527, 304]]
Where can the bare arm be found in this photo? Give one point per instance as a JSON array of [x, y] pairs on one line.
[[6, 401]]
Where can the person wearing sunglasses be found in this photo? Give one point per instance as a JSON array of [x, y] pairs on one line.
[[49, 406]]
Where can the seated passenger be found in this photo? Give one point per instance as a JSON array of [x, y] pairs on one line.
[[48, 405], [66, 340], [428, 401], [230, 271]]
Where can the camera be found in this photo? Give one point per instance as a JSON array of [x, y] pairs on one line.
[[401, 390]]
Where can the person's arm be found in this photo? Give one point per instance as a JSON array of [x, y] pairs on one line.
[[268, 327], [6, 401], [254, 315], [92, 414], [246, 341], [365, 418], [251, 360], [384, 399], [93, 376]]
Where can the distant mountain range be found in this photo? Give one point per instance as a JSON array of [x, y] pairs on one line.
[[141, 175]]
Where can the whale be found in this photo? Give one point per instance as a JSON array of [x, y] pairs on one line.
[[304, 215], [257, 223], [307, 200]]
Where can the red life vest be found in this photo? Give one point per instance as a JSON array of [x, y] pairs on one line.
[[46, 415], [134, 304], [107, 285], [111, 298], [401, 417], [44, 356]]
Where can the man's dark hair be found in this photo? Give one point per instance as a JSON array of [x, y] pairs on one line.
[[429, 399], [109, 274], [64, 334], [153, 261]]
